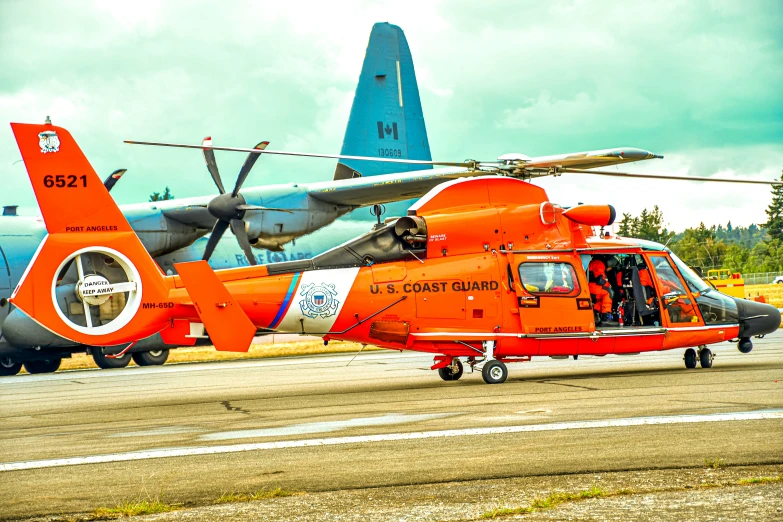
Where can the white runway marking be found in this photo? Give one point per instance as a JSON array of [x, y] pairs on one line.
[[335, 441]]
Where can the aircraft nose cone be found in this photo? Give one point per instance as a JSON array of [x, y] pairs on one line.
[[757, 318]]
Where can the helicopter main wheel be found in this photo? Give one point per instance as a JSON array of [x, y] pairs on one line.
[[494, 372], [706, 357], [447, 374], [42, 366], [690, 358], [151, 358], [9, 367], [107, 363]]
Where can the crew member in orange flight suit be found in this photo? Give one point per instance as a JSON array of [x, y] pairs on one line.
[[601, 289]]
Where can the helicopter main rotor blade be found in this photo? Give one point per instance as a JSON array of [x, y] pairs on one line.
[[666, 176], [238, 228], [209, 158], [466, 164], [245, 170], [488, 166], [257, 207], [217, 232]]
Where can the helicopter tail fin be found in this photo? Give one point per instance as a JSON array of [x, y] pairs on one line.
[[386, 117], [91, 280], [229, 327]]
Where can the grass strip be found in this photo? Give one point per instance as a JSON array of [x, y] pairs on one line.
[[557, 498], [132, 508], [262, 494]]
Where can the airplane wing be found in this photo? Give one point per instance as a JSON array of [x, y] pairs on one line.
[[386, 188]]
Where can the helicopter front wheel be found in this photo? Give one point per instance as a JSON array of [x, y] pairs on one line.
[[705, 357], [690, 358]]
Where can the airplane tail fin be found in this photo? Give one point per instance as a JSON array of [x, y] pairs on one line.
[[386, 117], [91, 280]]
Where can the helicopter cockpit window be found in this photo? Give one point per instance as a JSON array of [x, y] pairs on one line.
[[694, 282], [549, 278], [675, 299]]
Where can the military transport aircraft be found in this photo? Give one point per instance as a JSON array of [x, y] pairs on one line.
[[269, 222], [483, 269]]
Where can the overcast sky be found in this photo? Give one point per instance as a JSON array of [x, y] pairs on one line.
[[700, 82]]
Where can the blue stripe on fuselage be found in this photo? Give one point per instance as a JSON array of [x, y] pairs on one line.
[[286, 301]]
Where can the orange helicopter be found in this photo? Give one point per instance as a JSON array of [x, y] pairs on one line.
[[484, 270]]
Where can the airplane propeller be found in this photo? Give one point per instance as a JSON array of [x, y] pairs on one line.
[[229, 209]]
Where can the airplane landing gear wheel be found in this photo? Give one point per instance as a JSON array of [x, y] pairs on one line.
[[705, 358], [106, 363], [690, 358], [448, 374], [151, 358], [42, 366], [494, 372], [9, 367]]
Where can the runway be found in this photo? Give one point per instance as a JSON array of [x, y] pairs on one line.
[[77, 440]]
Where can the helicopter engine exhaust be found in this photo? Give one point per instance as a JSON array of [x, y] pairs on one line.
[[593, 215]]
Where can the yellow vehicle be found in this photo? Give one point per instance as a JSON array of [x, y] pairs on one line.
[[726, 282]]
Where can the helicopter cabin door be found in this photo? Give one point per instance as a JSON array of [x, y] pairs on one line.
[[555, 310], [679, 309]]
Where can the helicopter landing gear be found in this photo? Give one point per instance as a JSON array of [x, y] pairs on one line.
[[705, 357], [452, 372], [494, 372], [690, 358]]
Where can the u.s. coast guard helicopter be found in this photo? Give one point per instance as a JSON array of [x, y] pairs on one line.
[[485, 270]]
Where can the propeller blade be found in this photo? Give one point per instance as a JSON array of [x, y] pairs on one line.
[[666, 176], [245, 170], [256, 207], [238, 228], [217, 232], [465, 164], [209, 158], [113, 178]]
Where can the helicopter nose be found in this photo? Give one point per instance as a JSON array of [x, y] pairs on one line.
[[756, 318]]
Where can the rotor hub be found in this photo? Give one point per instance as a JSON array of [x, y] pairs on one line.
[[224, 207]]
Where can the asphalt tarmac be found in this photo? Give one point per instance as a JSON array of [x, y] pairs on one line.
[[74, 441]]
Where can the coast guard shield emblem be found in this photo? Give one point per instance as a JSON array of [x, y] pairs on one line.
[[318, 300], [49, 141]]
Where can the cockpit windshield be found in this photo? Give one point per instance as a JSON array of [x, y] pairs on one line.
[[694, 282]]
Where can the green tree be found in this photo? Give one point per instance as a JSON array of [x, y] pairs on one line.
[[774, 224], [156, 196]]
